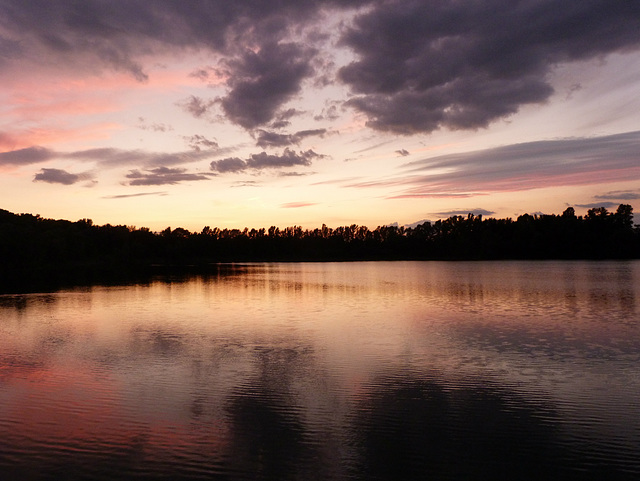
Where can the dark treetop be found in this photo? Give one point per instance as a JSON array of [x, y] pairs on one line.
[[31, 246]]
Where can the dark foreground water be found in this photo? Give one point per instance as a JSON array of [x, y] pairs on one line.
[[404, 370]]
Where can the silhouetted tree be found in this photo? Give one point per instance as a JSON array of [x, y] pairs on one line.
[[29, 243]]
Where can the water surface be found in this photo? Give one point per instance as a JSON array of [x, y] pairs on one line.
[[379, 370]]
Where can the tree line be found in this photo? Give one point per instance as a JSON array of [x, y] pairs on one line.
[[29, 241]]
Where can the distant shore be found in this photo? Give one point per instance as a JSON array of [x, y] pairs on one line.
[[34, 249]]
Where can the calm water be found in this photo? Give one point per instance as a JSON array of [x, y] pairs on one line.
[[403, 370]]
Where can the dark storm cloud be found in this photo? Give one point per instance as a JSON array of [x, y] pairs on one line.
[[420, 64], [426, 64], [288, 158], [261, 82], [265, 66], [574, 161], [163, 176], [59, 176], [119, 32], [273, 139]]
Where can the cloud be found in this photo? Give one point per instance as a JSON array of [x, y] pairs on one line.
[[432, 195], [155, 126], [402, 152], [9, 49], [111, 157], [59, 176], [418, 65], [163, 176], [573, 161], [7, 140], [413, 225], [273, 139], [282, 118], [423, 65], [140, 194], [246, 183], [197, 106], [451, 213], [297, 205], [261, 82], [101, 35], [330, 112], [30, 155], [230, 164], [595, 205], [199, 142], [288, 158], [295, 174], [619, 195]]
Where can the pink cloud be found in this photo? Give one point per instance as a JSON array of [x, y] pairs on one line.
[[295, 205], [20, 139], [518, 167]]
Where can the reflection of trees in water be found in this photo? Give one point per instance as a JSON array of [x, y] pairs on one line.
[[269, 439], [414, 429]]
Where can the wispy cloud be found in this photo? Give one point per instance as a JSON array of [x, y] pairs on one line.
[[595, 205], [574, 161], [164, 176], [297, 205], [107, 157], [620, 195], [140, 194], [153, 126]]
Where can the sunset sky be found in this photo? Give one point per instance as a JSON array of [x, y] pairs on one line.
[[302, 112]]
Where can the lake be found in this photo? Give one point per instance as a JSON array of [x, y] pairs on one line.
[[364, 370]]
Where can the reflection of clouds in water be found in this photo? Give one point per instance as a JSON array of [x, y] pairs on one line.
[[157, 342], [273, 435], [213, 369], [411, 428]]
